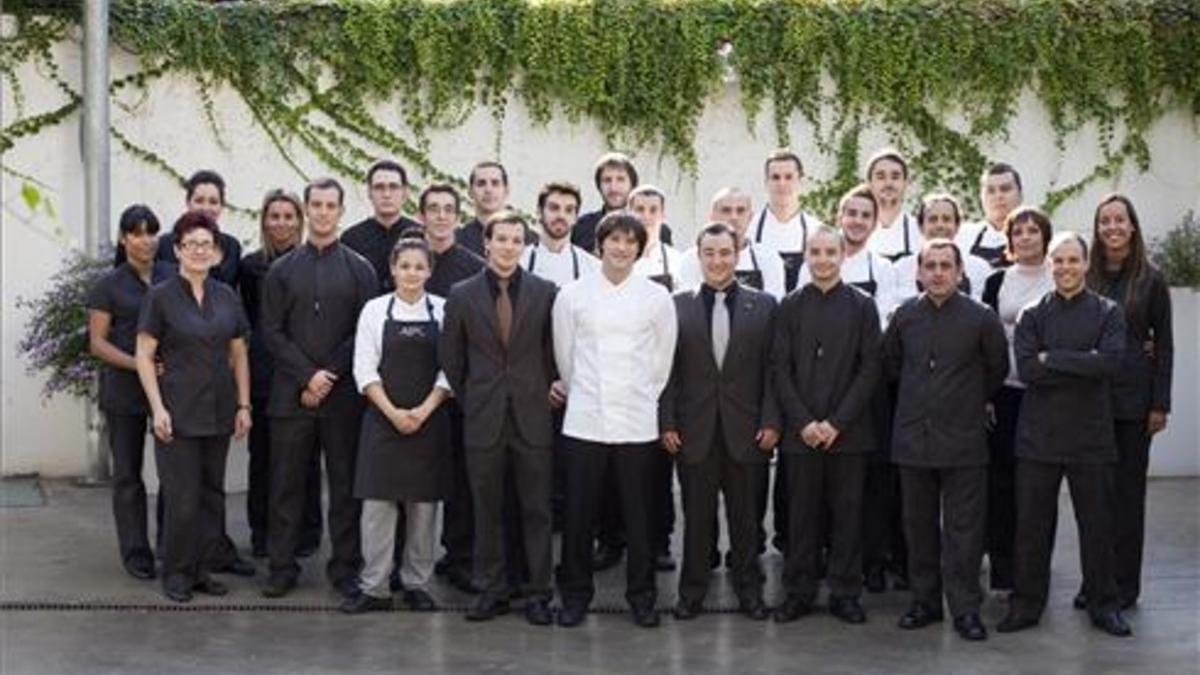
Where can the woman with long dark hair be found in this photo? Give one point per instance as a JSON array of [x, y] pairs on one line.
[[1121, 271], [196, 327], [1007, 291], [281, 222], [113, 305]]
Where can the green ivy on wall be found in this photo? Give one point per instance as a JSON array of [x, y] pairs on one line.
[[942, 78]]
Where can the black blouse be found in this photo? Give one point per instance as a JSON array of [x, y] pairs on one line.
[[1143, 382], [197, 384], [119, 294]]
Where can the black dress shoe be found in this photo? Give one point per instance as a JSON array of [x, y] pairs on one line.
[[970, 627], [210, 586], [875, 581], [1080, 601], [487, 608], [919, 616], [755, 609], [793, 608], [347, 587], [645, 615], [176, 594], [418, 600], [664, 563], [1112, 623], [237, 567], [686, 610], [847, 609], [1013, 623], [140, 567], [278, 585], [538, 612], [606, 556], [363, 603], [571, 614]]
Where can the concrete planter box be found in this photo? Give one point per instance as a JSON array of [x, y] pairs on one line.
[[1176, 451]]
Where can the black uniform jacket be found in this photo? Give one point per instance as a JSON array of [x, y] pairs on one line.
[[948, 360], [1143, 382], [739, 394]]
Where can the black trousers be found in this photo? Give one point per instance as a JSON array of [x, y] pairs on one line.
[[458, 513], [1128, 506], [663, 507], [295, 442], [530, 468], [957, 499], [127, 442], [632, 465], [192, 474], [258, 487], [741, 484], [1037, 516], [1002, 489], [609, 525], [883, 526], [822, 483], [779, 503]]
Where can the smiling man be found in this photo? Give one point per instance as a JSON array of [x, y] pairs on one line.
[[553, 256]]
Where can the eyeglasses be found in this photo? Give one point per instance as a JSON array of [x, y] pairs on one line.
[[196, 246]]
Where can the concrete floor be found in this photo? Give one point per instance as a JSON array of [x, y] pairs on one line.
[[66, 607]]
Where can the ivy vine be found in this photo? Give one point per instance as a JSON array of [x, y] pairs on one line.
[[310, 71]]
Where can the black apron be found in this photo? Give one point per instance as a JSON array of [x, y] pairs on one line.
[[994, 255], [574, 260], [752, 277], [665, 278], [792, 260], [907, 244], [870, 286], [392, 466]]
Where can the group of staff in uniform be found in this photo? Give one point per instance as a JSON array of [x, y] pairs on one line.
[[922, 385]]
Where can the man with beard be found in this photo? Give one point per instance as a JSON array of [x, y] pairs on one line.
[[898, 234], [615, 177], [554, 257]]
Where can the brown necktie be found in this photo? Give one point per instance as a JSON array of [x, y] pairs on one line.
[[504, 311]]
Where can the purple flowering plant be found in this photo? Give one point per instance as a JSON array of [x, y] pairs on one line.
[[56, 341]]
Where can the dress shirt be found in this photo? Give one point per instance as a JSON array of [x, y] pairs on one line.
[[785, 237], [614, 345], [891, 242], [368, 339], [752, 257], [651, 263]]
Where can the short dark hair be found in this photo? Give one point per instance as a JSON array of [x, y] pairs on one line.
[[387, 165], [934, 197], [648, 189], [783, 155], [621, 221], [999, 169], [616, 160], [205, 177], [135, 217], [501, 218], [938, 244], [716, 230], [326, 183], [890, 154], [1031, 214], [558, 187], [444, 188], [411, 239], [860, 191], [488, 164], [191, 221]]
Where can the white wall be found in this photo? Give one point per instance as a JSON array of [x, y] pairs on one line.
[[48, 438]]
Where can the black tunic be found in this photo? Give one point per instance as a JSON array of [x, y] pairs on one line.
[[948, 360], [119, 294], [827, 361], [1066, 412], [1143, 382], [226, 271], [450, 267], [197, 384], [311, 300], [251, 274], [373, 241]]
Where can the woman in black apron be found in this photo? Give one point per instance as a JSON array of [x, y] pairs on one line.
[[403, 450]]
